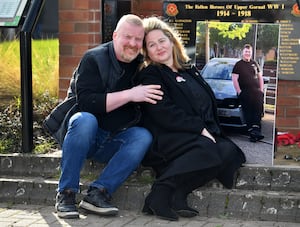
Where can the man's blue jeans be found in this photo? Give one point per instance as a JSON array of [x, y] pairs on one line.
[[122, 152]]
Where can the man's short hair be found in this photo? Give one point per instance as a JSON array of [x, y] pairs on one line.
[[247, 46], [131, 19]]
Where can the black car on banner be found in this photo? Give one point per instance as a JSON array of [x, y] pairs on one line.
[[217, 73]]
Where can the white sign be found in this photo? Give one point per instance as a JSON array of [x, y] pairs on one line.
[[11, 12]]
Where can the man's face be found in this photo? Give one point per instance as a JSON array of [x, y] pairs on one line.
[[247, 54], [128, 41]]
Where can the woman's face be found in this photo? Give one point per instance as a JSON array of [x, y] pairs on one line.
[[159, 47]]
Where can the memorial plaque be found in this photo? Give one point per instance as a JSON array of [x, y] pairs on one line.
[[217, 29], [184, 15], [11, 12]]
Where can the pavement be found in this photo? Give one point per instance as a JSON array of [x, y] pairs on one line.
[[261, 152], [41, 216], [262, 192]]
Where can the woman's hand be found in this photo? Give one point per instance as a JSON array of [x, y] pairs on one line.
[[208, 135]]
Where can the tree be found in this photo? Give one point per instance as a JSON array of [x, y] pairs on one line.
[[231, 30], [267, 37]]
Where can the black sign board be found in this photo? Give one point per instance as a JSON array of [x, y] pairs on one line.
[[109, 19], [185, 15], [11, 12]]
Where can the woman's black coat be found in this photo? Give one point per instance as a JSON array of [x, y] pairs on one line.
[[176, 128]]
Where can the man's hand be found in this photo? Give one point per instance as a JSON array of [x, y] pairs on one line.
[[236, 85], [140, 93], [146, 93]]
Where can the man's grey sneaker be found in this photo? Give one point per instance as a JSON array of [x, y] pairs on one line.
[[98, 201], [65, 205]]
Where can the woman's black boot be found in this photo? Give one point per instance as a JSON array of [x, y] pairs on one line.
[[180, 206], [158, 203], [146, 209], [185, 184]]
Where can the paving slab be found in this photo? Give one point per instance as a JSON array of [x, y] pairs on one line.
[[260, 193], [43, 216]]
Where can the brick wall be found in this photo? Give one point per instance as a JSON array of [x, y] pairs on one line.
[[79, 30], [288, 106]]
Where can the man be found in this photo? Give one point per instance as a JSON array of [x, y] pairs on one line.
[[105, 128], [248, 82]]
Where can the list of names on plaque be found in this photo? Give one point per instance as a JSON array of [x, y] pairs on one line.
[[288, 50]]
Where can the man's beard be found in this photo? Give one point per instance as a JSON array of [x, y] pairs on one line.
[[129, 57]]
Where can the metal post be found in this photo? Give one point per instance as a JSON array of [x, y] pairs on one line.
[[26, 92], [26, 74]]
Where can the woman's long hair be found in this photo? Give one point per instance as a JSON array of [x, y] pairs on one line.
[[181, 59]]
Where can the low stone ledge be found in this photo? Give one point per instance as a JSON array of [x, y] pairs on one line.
[[211, 202], [247, 205], [47, 166], [275, 178], [250, 177]]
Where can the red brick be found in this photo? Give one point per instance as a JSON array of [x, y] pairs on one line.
[[280, 111], [75, 38], [80, 50], [288, 88], [80, 4], [94, 27], [81, 27], [66, 27], [66, 71], [74, 16], [287, 122], [94, 45], [293, 112], [69, 61], [288, 101], [62, 94], [94, 4], [65, 50], [282, 82], [94, 16], [280, 89], [293, 90], [65, 4], [94, 39], [65, 82]]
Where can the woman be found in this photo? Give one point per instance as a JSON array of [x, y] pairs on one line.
[[188, 149]]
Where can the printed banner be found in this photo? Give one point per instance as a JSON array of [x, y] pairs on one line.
[[216, 31], [185, 15]]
